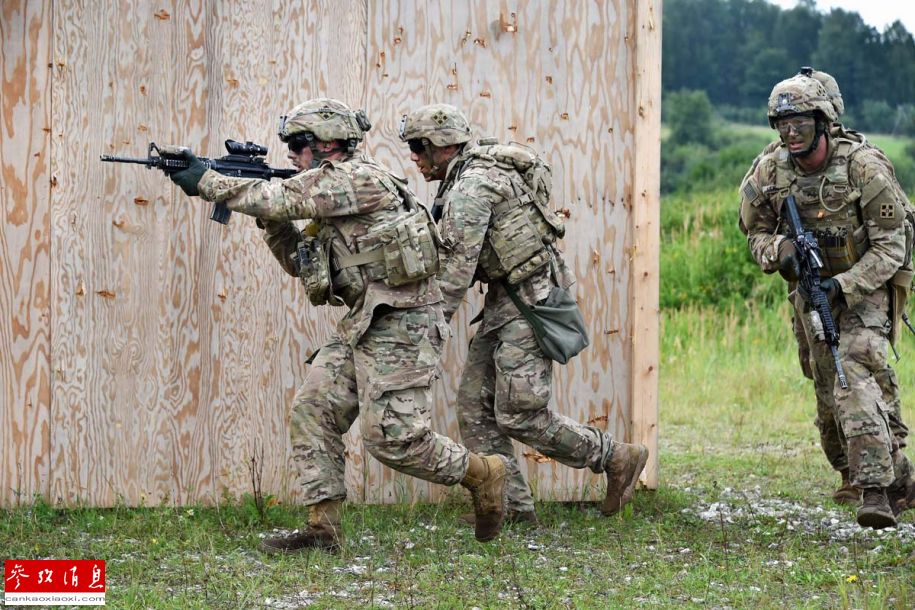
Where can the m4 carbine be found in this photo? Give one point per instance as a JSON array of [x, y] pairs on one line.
[[809, 265], [245, 160]]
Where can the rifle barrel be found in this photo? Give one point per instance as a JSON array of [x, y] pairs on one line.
[[114, 159]]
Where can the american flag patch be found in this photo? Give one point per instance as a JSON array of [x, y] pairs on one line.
[[749, 191]]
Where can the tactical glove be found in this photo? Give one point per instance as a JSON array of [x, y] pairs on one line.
[[189, 178], [830, 287], [833, 290], [788, 266]]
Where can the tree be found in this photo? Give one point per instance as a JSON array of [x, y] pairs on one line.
[[846, 49], [796, 32], [689, 114], [767, 67]]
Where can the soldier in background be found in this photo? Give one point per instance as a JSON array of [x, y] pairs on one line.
[[385, 352], [501, 235], [849, 198], [832, 440]]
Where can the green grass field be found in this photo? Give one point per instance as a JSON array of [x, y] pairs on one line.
[[743, 517]]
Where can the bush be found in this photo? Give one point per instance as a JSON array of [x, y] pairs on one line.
[[876, 116], [704, 256], [687, 167], [749, 115], [689, 114]]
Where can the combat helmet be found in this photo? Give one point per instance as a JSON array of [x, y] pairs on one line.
[[440, 124], [799, 94], [832, 88], [324, 119]]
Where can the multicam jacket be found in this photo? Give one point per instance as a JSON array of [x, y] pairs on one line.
[[853, 204], [348, 197]]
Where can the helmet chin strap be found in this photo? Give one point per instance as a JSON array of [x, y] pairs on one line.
[[820, 130]]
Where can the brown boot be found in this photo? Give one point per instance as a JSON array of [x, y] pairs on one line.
[[528, 517], [623, 469], [323, 531], [901, 498], [847, 494], [875, 510], [485, 479]]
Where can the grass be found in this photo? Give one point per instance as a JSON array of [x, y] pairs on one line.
[[742, 519], [736, 429]]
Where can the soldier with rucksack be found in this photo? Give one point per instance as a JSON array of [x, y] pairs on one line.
[[492, 208]]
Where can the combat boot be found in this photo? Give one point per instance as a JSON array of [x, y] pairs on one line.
[[901, 498], [323, 531], [875, 510], [485, 480], [847, 494], [623, 468], [527, 517]]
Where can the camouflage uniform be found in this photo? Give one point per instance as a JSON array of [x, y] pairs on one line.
[[832, 440], [384, 354], [853, 203], [506, 383]]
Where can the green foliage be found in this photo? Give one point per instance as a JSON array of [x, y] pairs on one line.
[[877, 116], [704, 256], [736, 50], [689, 115], [259, 510]]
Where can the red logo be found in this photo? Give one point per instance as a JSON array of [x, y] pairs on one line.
[[54, 581]]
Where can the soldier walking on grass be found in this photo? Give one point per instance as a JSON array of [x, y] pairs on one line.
[[847, 195], [385, 353], [499, 232], [832, 440]]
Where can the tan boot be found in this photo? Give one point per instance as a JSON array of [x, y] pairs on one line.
[[485, 479], [623, 469], [847, 494], [323, 531], [528, 517], [875, 510], [901, 498]]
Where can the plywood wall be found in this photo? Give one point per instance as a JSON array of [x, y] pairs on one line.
[[147, 352]]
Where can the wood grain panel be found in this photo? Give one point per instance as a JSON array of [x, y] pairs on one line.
[[646, 229], [560, 83], [25, 289], [114, 259], [322, 55], [176, 344]]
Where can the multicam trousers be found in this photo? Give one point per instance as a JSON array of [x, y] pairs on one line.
[[832, 440], [385, 378], [504, 394], [861, 427]]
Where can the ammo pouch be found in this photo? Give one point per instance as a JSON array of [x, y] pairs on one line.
[[556, 321], [311, 262], [899, 287], [842, 248], [517, 249], [401, 251]]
